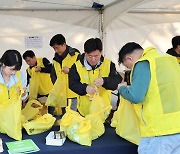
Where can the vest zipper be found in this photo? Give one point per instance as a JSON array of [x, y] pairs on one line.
[[142, 115], [8, 94]]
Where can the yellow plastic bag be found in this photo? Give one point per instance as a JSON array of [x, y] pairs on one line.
[[84, 130], [11, 118], [97, 126], [126, 123], [79, 131], [40, 124], [34, 85], [32, 109], [68, 116], [58, 95], [97, 122], [76, 127], [98, 105]]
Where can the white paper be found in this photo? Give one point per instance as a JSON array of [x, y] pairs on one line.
[[33, 41]]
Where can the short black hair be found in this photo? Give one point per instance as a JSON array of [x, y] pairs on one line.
[[12, 58], [127, 49], [92, 44], [175, 41], [28, 53], [58, 39]]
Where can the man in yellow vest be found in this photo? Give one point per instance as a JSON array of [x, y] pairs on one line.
[[93, 72], [39, 68], [154, 91], [65, 56], [175, 50]]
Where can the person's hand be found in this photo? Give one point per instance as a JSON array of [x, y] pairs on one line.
[[20, 90], [99, 82], [37, 69], [91, 90], [24, 91], [65, 69], [122, 84]]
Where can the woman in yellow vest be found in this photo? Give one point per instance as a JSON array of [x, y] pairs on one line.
[[39, 69], [154, 91], [11, 79], [65, 56], [91, 71]]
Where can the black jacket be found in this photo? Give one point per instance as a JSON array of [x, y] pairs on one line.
[[110, 83], [172, 52]]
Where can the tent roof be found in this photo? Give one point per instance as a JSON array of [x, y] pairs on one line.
[[146, 5], [83, 13], [51, 4]]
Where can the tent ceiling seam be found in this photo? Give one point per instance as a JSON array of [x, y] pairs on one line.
[[61, 4], [155, 12], [48, 9]]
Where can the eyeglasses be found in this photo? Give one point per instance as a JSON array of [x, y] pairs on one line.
[[93, 56]]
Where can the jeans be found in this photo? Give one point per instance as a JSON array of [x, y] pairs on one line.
[[73, 104], [167, 144]]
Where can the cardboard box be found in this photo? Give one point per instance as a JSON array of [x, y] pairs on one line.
[[56, 138]]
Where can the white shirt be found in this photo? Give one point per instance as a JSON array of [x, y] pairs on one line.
[[13, 80]]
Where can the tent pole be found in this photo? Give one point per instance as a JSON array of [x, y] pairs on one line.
[[101, 24], [101, 28]]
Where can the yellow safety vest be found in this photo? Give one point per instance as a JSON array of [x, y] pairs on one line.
[[88, 77], [159, 114], [12, 93], [45, 83], [67, 61]]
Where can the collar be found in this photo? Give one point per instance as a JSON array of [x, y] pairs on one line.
[[64, 54], [12, 80], [33, 66], [89, 67]]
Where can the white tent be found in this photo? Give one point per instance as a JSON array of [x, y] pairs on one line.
[[148, 22]]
